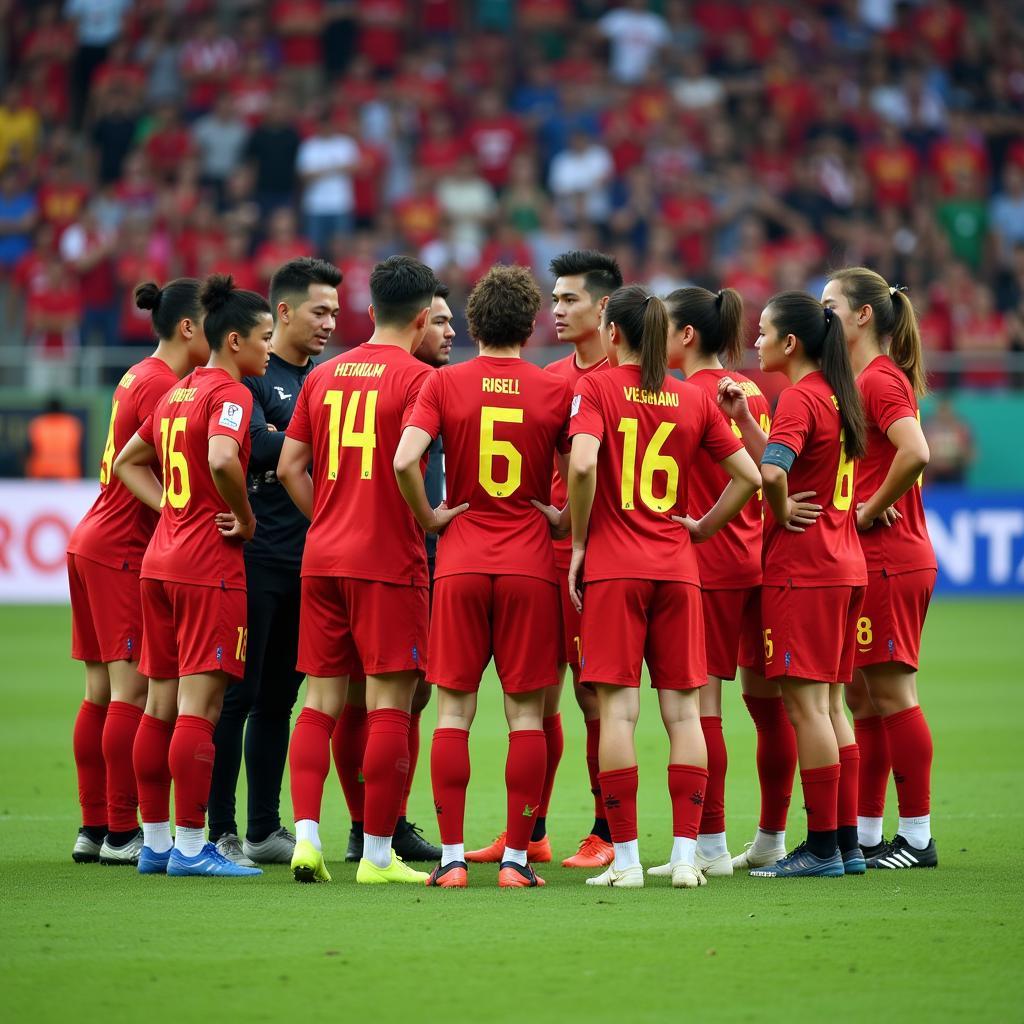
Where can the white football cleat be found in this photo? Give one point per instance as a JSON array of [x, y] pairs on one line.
[[752, 857], [687, 876], [126, 854], [714, 867], [229, 846], [660, 870], [631, 878]]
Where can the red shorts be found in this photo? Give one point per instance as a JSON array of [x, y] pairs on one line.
[[892, 619], [809, 632], [571, 619], [347, 626], [106, 611], [732, 631], [627, 622], [189, 629], [512, 618]]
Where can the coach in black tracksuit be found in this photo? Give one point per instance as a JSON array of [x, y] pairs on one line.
[[304, 296]]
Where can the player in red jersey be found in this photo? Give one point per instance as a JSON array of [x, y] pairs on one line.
[[193, 575], [635, 437], [707, 327], [584, 279], [814, 574], [892, 732], [364, 568], [104, 555], [503, 420]]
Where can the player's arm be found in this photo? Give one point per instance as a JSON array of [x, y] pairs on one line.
[[909, 462], [134, 468], [582, 484], [558, 518], [411, 449], [791, 511], [744, 481], [228, 478], [733, 402], [293, 472], [267, 440]]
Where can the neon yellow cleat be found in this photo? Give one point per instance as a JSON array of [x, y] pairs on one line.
[[397, 871], [308, 863]]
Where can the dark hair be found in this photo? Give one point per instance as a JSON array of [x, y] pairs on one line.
[[502, 307], [600, 272], [894, 318], [442, 291], [400, 287], [229, 309], [294, 278], [178, 300], [820, 331], [643, 321], [716, 317]]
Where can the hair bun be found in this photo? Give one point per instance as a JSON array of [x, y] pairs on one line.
[[216, 291], [147, 295]]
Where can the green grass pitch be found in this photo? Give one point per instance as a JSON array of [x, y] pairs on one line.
[[87, 942]]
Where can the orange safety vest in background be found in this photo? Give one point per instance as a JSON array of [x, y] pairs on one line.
[[55, 447]]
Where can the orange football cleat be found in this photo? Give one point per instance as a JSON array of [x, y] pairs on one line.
[[449, 876], [516, 876], [539, 851], [594, 852]]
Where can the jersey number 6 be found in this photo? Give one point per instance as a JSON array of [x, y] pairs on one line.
[[491, 447]]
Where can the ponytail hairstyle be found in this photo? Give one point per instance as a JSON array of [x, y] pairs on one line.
[[228, 309], [643, 321], [894, 316], [820, 331], [178, 300], [717, 317]]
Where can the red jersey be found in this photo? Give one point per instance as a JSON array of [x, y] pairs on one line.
[[568, 369], [502, 420], [731, 560], [117, 528], [888, 397], [352, 409], [186, 546], [649, 441], [828, 553]]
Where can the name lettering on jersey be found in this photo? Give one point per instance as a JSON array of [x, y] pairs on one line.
[[182, 395], [642, 397], [748, 387], [360, 369], [500, 386], [127, 380], [835, 402]]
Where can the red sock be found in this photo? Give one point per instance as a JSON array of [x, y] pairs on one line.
[[414, 756], [821, 797], [776, 759], [385, 769], [449, 776], [593, 770], [849, 776], [554, 741], [152, 772], [619, 788], [874, 766], [524, 781], [712, 819], [910, 746], [348, 743], [87, 743], [118, 742], [687, 785], [191, 762], [309, 762]]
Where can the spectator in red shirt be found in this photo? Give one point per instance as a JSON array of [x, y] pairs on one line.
[[61, 197], [893, 168], [88, 249], [208, 61], [494, 136], [283, 243], [381, 24], [168, 143], [958, 154]]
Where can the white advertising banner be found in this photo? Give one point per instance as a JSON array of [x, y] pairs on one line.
[[36, 520]]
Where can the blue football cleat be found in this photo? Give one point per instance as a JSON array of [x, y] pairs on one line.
[[207, 862], [854, 862], [801, 863], [153, 863]]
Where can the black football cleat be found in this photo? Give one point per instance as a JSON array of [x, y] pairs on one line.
[[410, 845], [900, 854], [354, 853]]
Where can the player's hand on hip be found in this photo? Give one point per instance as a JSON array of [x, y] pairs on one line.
[[443, 515], [889, 517], [694, 528], [229, 527], [576, 578], [802, 513], [554, 517]]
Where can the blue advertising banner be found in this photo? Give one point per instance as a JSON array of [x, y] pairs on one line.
[[978, 538]]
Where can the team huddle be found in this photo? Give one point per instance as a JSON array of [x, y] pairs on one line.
[[383, 525]]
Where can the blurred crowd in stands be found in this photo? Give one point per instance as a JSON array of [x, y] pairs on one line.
[[751, 144]]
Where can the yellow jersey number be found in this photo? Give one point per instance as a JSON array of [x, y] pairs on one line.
[[108, 449], [343, 434], [842, 496], [653, 462], [177, 489], [491, 448]]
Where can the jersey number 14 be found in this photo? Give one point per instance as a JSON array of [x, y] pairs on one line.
[[343, 433]]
